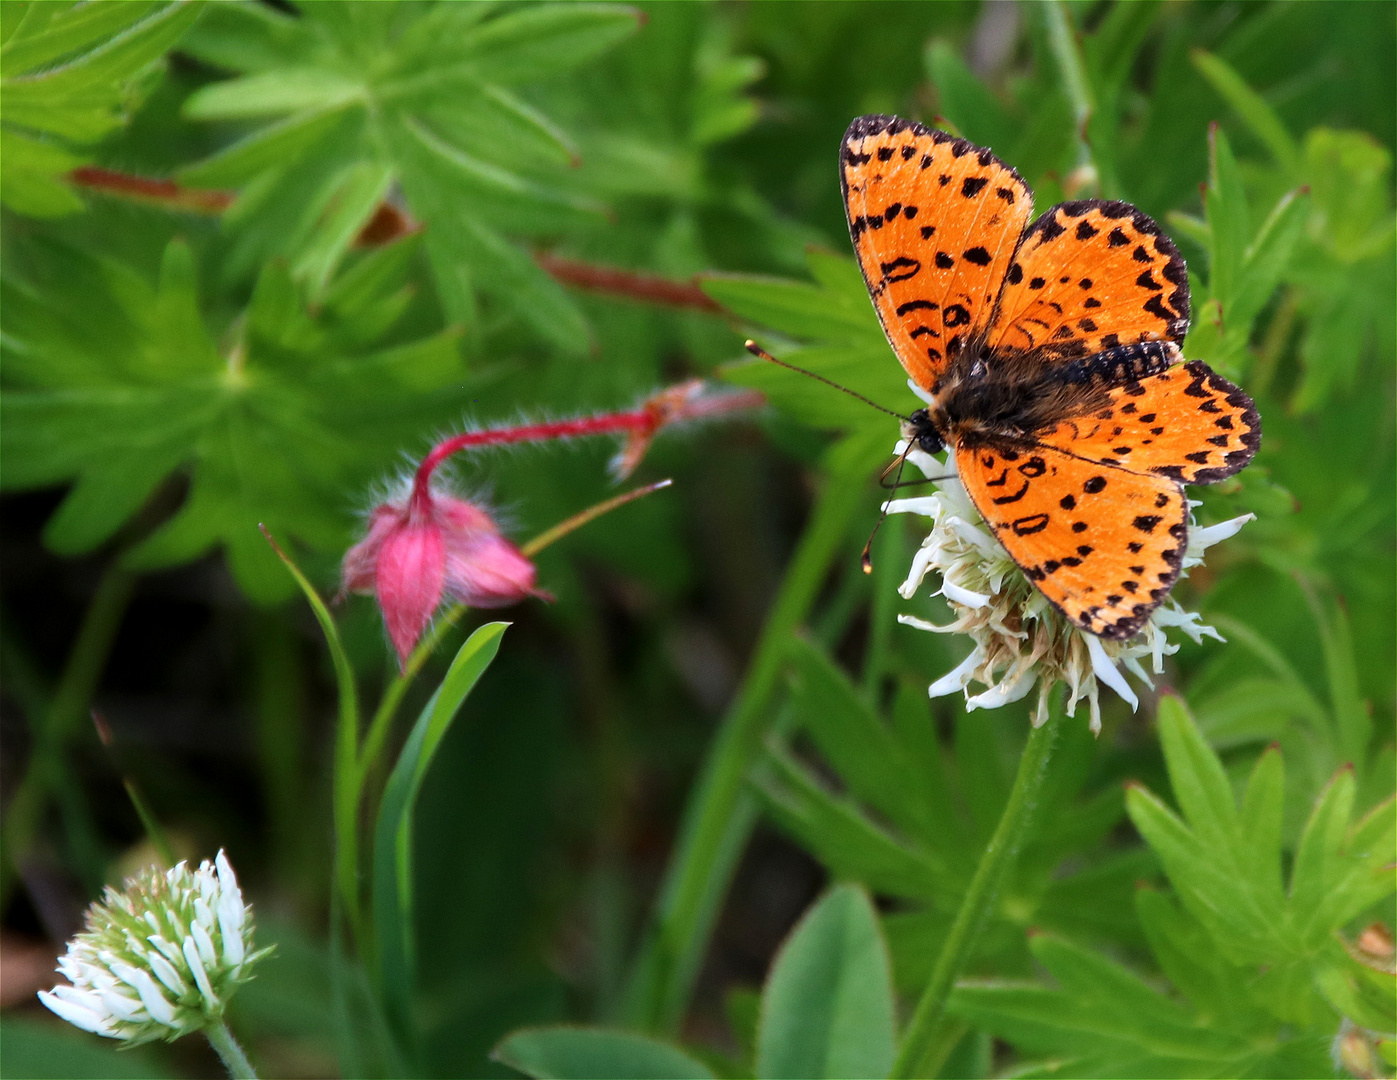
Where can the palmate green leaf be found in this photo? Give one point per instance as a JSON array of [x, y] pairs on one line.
[[843, 838], [414, 95], [869, 758], [576, 1053], [1224, 862], [1103, 1020], [117, 385], [893, 823], [70, 76], [827, 1008]]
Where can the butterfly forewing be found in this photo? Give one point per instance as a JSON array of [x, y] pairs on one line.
[[934, 221], [1187, 423], [1102, 544], [1089, 276]]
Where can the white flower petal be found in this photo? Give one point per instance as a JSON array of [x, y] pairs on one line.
[[922, 624], [196, 968], [929, 466], [122, 1006], [923, 394], [166, 973], [1105, 670], [1199, 540], [1005, 692], [77, 1015], [951, 591], [926, 505], [204, 944], [160, 1009], [956, 680], [231, 913]]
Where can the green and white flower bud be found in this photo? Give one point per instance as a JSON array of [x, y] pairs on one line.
[[160, 957]]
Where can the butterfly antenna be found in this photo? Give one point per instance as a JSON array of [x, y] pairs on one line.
[[757, 350], [866, 559]]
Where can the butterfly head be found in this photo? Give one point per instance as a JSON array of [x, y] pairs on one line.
[[921, 432]]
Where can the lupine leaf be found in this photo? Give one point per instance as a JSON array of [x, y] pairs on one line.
[[430, 107], [49, 96]]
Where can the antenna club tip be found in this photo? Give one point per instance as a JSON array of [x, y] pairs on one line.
[[866, 561]]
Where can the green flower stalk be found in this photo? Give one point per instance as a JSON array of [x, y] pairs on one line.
[[160, 957]]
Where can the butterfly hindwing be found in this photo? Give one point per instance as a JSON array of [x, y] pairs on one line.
[[1102, 544], [934, 222], [1187, 423], [1091, 275]]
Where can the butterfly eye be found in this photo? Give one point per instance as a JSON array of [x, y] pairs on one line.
[[930, 442]]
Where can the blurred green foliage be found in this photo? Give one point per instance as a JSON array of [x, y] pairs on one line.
[[173, 377]]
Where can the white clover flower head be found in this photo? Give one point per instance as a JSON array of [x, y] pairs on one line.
[[160, 957], [1021, 640]]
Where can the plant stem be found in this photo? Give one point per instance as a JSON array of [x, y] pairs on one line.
[[68, 704], [721, 810], [612, 280], [234, 1060], [995, 863]]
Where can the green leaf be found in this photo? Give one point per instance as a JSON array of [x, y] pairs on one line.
[[418, 93], [827, 1008], [1264, 265], [843, 838], [29, 183], [865, 753], [1187, 955], [289, 90], [116, 385], [273, 147], [70, 31], [965, 101], [1260, 820], [1196, 775], [542, 41], [1251, 107], [799, 310], [393, 911], [79, 100], [1319, 858], [869, 370], [1352, 722], [566, 1053], [92, 80], [355, 198], [1105, 1021], [1225, 206]]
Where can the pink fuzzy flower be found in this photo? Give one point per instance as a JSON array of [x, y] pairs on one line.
[[430, 547]]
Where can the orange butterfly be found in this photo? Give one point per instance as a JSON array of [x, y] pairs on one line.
[[1048, 356]]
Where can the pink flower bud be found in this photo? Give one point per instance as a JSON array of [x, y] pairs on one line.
[[429, 547]]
